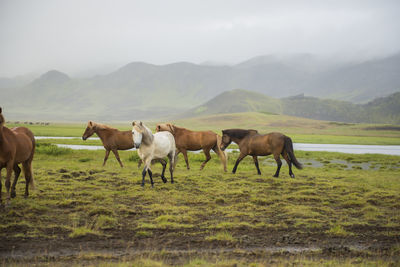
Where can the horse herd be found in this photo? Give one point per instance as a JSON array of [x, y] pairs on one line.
[[17, 145]]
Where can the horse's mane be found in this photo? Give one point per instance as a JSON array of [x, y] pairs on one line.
[[239, 133], [148, 133], [102, 126]]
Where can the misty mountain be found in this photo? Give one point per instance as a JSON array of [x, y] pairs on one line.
[[380, 110], [237, 101], [142, 90]]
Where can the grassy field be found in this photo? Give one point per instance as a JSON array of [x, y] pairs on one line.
[[301, 130], [85, 213]]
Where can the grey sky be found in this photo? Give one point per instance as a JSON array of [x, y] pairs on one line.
[[77, 35]]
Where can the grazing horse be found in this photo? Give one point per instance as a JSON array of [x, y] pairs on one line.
[[112, 139], [252, 143], [17, 145], [187, 140], [152, 147]]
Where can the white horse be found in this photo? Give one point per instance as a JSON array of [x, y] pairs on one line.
[[152, 147]]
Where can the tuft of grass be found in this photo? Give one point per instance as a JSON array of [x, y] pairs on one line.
[[51, 149], [105, 222], [221, 236], [134, 156], [144, 233], [82, 232], [338, 230], [84, 159]]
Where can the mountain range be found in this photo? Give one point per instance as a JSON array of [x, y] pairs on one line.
[[142, 90]]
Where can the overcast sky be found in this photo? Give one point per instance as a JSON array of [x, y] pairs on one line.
[[77, 35]]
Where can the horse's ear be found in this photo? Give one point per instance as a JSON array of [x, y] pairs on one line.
[[141, 123], [158, 128], [133, 123], [1, 110], [90, 123]]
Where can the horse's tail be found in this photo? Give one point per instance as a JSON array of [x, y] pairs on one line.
[[289, 149], [32, 181], [222, 154], [175, 159]]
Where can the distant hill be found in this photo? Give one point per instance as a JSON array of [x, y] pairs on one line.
[[237, 101], [381, 110], [141, 90]]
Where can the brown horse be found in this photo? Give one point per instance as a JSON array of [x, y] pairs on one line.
[[187, 140], [17, 145], [113, 139], [252, 143]]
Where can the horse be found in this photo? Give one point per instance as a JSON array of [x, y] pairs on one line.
[[152, 147], [17, 145], [112, 139], [187, 140], [252, 143]]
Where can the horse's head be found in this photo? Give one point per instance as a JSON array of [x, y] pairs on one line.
[[2, 120], [226, 140], [165, 127], [137, 133], [90, 130]]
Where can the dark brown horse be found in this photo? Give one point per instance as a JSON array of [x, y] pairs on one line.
[[252, 143], [187, 140], [113, 139], [17, 145]]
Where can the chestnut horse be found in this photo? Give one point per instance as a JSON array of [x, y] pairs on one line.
[[112, 139], [252, 143], [187, 140], [17, 145]]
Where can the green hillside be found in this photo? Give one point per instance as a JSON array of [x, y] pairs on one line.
[[382, 110], [237, 101]]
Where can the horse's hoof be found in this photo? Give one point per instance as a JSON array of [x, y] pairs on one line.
[[152, 185], [142, 185], [276, 176], [13, 194], [292, 175]]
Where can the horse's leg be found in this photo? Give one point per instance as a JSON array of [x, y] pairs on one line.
[[147, 164], [239, 159], [144, 174], [279, 163], [9, 169], [17, 172], [151, 177], [139, 163], [115, 151], [28, 175], [184, 152], [256, 163], [208, 157], [106, 156], [171, 157], [164, 166], [1, 203], [289, 162]]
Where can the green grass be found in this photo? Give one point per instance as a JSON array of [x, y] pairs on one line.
[[78, 200]]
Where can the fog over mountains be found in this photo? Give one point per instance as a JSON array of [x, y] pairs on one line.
[[145, 91]]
